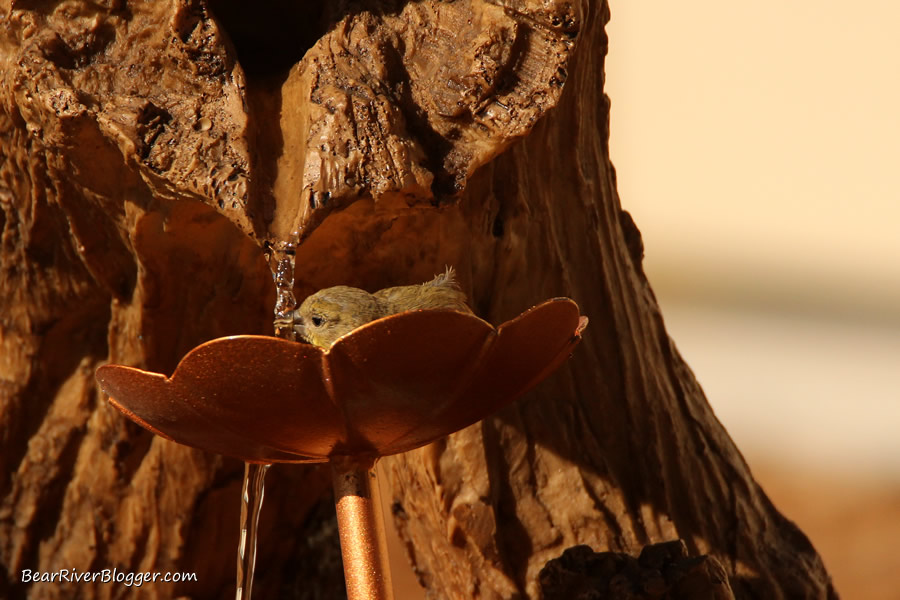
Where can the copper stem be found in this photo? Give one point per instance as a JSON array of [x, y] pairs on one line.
[[361, 527]]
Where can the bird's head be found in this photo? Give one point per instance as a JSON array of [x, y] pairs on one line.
[[330, 313]]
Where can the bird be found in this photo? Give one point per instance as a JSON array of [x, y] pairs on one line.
[[332, 312], [441, 292]]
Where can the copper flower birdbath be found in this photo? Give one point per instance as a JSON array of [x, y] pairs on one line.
[[390, 386]]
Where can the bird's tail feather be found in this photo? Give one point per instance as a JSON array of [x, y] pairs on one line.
[[445, 279]]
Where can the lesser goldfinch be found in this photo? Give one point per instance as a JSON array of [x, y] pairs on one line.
[[330, 313]]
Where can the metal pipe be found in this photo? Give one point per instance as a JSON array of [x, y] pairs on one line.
[[361, 527]]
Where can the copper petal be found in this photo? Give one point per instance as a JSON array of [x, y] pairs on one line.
[[152, 402], [520, 354], [236, 396], [403, 373]]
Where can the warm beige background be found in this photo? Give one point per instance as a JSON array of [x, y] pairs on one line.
[[757, 146]]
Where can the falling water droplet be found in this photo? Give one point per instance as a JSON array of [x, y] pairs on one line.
[[251, 503]]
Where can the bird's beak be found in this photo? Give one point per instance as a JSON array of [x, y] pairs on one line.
[[294, 322]]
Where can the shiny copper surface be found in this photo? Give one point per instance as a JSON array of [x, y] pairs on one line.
[[390, 386], [361, 526]]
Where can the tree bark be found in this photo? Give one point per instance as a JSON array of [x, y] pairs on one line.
[[150, 152]]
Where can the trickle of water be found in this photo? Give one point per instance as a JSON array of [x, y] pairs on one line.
[[251, 503], [281, 260]]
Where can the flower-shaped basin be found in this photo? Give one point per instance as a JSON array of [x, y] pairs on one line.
[[389, 386]]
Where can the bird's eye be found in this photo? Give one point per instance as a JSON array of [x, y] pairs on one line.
[[317, 320]]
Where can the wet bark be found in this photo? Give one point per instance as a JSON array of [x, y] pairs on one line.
[[150, 152]]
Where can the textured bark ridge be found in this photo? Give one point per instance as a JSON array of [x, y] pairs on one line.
[[150, 151], [410, 103], [662, 572]]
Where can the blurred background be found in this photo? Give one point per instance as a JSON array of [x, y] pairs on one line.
[[757, 146]]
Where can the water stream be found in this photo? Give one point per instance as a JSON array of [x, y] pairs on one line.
[[251, 503], [281, 261]]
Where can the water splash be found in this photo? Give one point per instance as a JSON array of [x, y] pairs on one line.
[[251, 503]]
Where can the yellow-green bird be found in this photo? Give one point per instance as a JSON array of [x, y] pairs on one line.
[[330, 313]]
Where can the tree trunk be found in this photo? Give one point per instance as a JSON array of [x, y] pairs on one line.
[[151, 151]]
